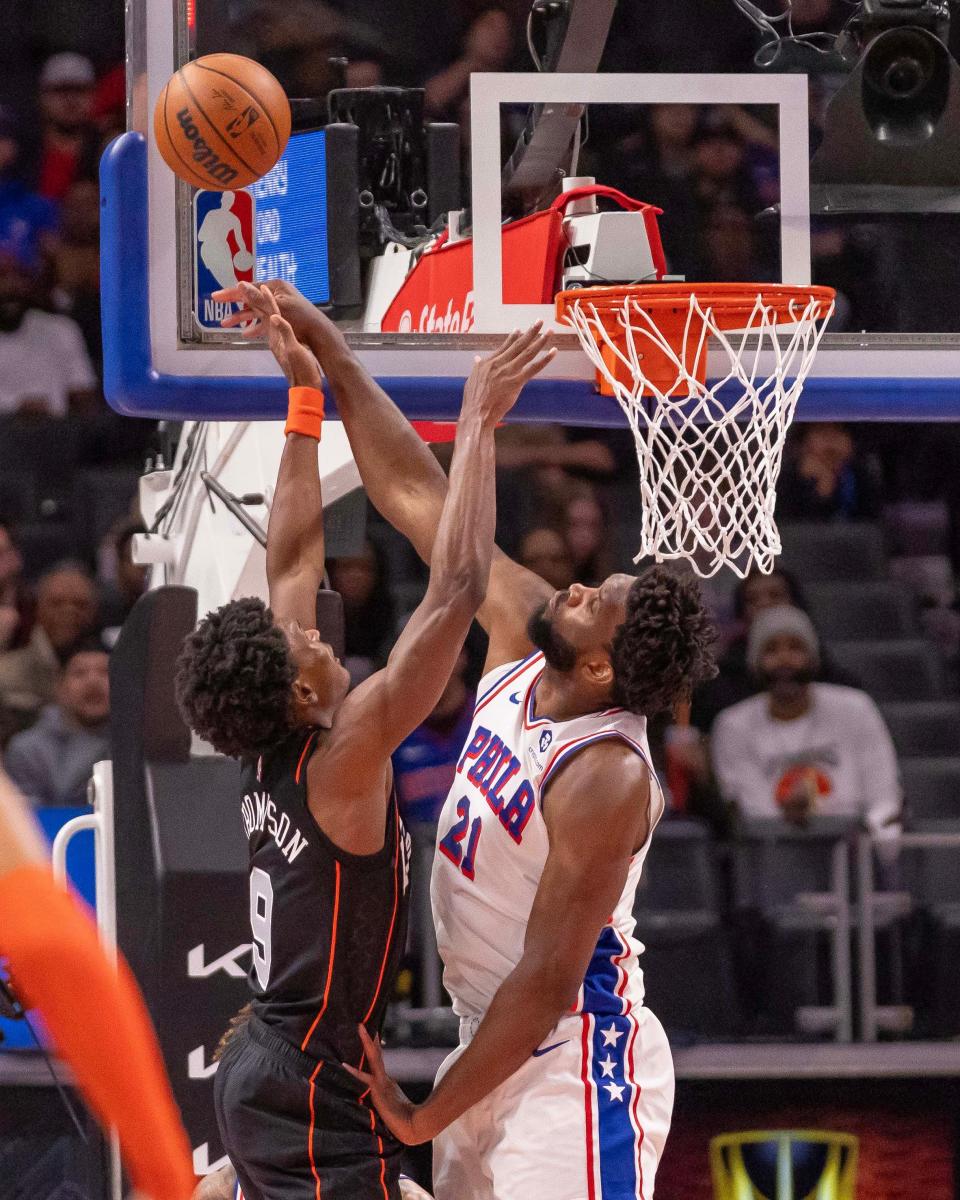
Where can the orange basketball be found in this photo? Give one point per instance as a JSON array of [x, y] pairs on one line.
[[221, 122]]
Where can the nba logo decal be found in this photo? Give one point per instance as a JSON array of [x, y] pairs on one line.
[[224, 250], [545, 739]]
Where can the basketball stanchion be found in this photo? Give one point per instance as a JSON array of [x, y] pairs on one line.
[[709, 451]]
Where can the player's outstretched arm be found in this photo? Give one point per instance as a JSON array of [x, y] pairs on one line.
[[385, 709], [586, 870], [404, 481], [95, 1013], [295, 550]]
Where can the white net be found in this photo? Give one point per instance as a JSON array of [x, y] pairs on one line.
[[709, 452]]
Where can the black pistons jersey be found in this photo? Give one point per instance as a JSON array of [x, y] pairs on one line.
[[329, 927]]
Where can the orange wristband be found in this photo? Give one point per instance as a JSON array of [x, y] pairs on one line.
[[304, 412]]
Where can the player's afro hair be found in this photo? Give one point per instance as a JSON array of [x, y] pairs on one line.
[[234, 680], [664, 648]]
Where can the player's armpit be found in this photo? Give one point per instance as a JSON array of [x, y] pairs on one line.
[[513, 595]]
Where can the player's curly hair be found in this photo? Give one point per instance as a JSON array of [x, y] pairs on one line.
[[234, 680], [664, 648]]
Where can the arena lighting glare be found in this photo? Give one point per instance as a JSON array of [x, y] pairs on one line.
[[891, 141]]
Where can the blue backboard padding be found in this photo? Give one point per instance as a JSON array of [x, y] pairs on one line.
[[132, 385], [80, 869]]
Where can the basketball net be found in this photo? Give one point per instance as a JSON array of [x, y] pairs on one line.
[[709, 452]]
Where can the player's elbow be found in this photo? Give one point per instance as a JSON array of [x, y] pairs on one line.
[[461, 591]]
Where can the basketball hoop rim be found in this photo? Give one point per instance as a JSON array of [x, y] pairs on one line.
[[725, 300]]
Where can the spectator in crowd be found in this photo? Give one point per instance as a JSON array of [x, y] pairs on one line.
[[587, 536], [16, 606], [28, 222], [488, 45], [128, 582], [52, 762], [368, 609], [801, 749], [825, 479], [77, 264], [71, 141], [44, 365], [734, 680], [66, 612], [544, 551], [424, 764]]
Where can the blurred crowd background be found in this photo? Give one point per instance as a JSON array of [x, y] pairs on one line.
[[838, 688]]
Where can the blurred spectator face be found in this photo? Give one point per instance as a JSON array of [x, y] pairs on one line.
[[355, 578], [673, 124], [730, 243], [544, 552], [68, 107], [764, 591], [489, 40], [585, 528], [830, 445], [719, 155], [11, 563], [66, 607], [84, 689], [9, 151], [80, 213], [16, 291], [786, 663]]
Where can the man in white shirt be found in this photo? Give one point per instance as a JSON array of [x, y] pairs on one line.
[[43, 359], [799, 748]]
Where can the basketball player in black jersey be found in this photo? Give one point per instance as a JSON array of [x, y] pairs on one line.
[[328, 853]]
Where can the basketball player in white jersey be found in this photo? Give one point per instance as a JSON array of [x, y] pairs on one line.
[[562, 1086]]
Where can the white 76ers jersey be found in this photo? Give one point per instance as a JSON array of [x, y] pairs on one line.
[[492, 845]]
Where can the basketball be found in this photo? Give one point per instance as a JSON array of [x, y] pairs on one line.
[[221, 122]]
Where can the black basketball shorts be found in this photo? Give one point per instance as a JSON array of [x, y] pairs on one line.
[[296, 1129]]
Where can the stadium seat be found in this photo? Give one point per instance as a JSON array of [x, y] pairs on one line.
[[861, 610], [782, 892], [688, 964], [818, 553], [906, 669], [18, 496], [43, 544], [931, 874], [924, 728], [101, 497], [931, 788], [51, 447]]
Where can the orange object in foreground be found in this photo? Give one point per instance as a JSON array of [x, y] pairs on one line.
[[99, 1026]]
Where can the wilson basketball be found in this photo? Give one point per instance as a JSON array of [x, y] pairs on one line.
[[221, 122]]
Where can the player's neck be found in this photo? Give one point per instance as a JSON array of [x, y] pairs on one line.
[[558, 699], [791, 704]]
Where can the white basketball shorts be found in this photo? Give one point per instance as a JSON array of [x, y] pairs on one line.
[[586, 1118]]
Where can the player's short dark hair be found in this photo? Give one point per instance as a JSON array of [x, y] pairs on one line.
[[664, 648], [234, 679]]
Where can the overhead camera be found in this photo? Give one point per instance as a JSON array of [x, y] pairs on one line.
[[892, 133]]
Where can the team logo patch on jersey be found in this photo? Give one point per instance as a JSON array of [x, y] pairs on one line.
[[545, 739]]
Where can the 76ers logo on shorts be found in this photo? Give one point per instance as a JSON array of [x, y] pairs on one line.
[[225, 250]]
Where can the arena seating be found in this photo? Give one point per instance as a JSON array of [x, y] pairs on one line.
[[819, 553], [688, 965], [858, 610]]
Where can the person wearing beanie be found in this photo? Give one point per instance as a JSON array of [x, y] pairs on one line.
[[71, 142], [801, 749]]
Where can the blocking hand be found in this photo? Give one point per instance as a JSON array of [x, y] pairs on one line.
[[496, 381]]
